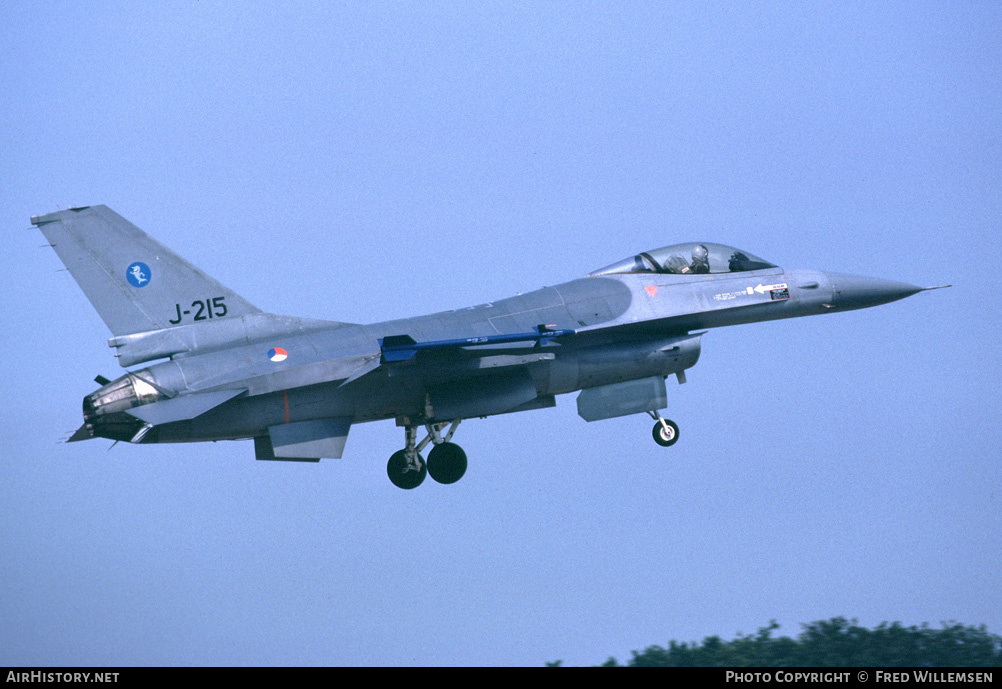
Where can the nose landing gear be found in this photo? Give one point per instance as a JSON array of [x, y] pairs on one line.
[[446, 461], [665, 431]]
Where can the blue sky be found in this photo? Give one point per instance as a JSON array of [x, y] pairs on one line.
[[368, 161]]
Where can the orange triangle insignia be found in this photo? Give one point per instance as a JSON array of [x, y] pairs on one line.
[[651, 289]]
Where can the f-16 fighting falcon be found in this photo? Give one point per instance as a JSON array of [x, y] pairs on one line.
[[215, 367]]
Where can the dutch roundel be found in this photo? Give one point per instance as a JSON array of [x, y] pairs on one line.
[[277, 354]]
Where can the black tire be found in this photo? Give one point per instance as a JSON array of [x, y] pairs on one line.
[[400, 475], [661, 437], [447, 463]]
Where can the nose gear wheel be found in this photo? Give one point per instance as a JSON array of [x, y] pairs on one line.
[[665, 431]]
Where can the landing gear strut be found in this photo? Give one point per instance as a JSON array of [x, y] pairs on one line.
[[665, 431], [446, 460], [406, 467]]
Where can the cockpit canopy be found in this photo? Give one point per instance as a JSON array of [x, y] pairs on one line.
[[688, 259]]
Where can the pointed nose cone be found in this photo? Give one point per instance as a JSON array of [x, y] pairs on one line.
[[855, 292]]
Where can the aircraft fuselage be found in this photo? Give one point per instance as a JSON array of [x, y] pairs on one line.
[[654, 314]]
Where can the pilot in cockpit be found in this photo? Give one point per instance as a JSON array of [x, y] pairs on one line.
[[700, 262]]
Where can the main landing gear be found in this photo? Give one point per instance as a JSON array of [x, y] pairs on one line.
[[665, 431], [446, 460]]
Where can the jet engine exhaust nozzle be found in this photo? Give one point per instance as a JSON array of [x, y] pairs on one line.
[[104, 410]]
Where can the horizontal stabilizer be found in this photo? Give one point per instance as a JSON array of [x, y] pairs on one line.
[[182, 408], [404, 347]]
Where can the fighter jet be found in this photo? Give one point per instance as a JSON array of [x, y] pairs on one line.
[[215, 367]]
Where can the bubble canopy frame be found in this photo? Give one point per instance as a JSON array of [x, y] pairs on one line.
[[693, 258]]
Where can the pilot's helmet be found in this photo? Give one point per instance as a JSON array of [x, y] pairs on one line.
[[700, 254]]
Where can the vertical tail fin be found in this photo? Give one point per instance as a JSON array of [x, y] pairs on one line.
[[135, 283]]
